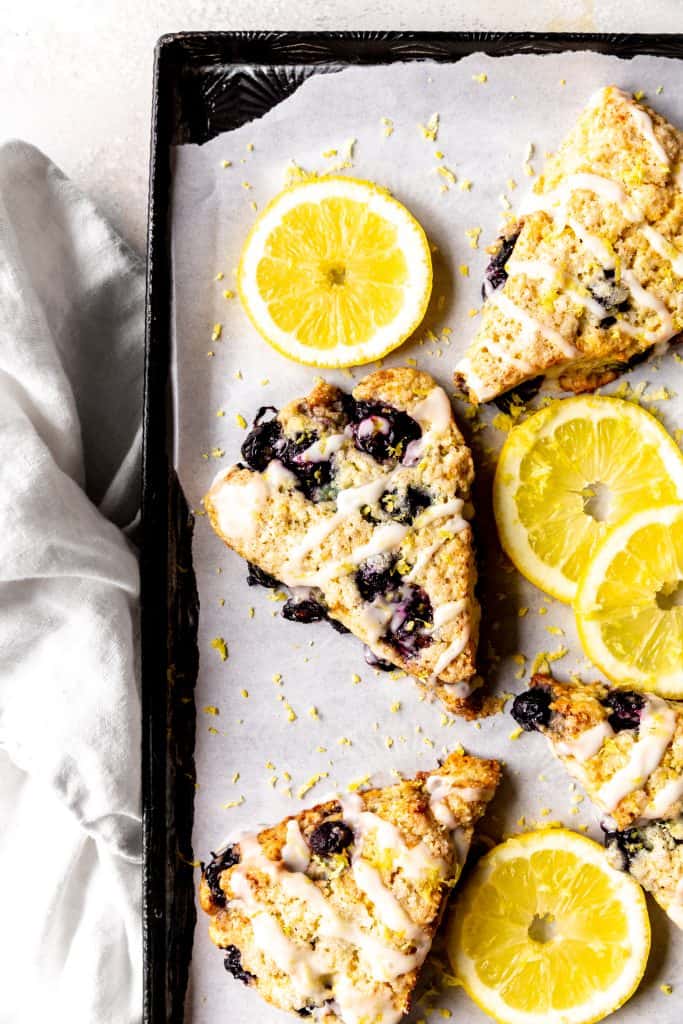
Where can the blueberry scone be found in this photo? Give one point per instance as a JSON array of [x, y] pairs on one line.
[[626, 750], [360, 504], [590, 276], [331, 913]]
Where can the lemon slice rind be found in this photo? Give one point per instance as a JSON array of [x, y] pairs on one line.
[[626, 891], [411, 240]]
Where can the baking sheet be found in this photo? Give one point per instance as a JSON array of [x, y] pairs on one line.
[[259, 741]]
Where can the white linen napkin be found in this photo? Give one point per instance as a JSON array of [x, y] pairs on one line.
[[71, 358]]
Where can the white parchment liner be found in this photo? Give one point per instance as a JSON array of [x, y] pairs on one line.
[[377, 724]]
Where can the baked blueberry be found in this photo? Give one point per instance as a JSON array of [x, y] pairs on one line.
[[612, 295], [375, 576], [260, 578], [212, 871], [382, 431], [330, 837], [520, 395], [263, 441], [532, 708], [303, 610], [233, 964], [412, 618], [628, 842], [372, 659], [403, 508], [495, 274], [625, 707]]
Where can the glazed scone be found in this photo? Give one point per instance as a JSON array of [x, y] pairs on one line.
[[626, 750], [590, 276], [360, 504], [331, 913]]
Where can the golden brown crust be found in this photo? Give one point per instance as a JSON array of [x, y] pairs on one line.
[[408, 808], [283, 519], [577, 708], [589, 241]]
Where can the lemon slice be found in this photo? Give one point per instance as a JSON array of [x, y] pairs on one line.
[[629, 605], [335, 272], [569, 473], [546, 931]]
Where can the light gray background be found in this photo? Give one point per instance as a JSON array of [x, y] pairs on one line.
[[76, 76]]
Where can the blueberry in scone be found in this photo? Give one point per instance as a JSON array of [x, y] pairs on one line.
[[588, 279], [359, 505], [330, 914], [626, 750]]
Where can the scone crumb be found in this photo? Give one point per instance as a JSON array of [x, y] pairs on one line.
[[521, 612], [211, 709], [464, 269], [235, 777], [244, 693], [355, 678], [638, 95], [465, 185], [240, 420], [216, 332], [277, 677], [396, 706], [219, 276], [219, 644], [356, 784], [313, 712], [228, 293], [666, 989], [481, 78], [387, 125], [226, 163]]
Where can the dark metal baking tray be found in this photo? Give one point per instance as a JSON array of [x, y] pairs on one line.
[[205, 84]]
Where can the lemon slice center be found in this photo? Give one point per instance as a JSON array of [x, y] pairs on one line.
[[543, 928], [597, 501], [670, 596]]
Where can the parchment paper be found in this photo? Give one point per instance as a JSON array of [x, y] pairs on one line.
[[256, 753]]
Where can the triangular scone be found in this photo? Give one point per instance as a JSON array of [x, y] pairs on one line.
[[331, 913], [360, 504], [626, 750], [590, 276]]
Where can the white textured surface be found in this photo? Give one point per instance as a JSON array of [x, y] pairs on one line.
[[76, 76]]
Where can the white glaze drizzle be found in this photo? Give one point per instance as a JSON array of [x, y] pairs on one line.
[[237, 505], [587, 744], [664, 248], [454, 650], [322, 448], [531, 325], [612, 191], [445, 613], [296, 855], [649, 301], [547, 272], [414, 861], [656, 729], [643, 122], [382, 962], [668, 796], [474, 383]]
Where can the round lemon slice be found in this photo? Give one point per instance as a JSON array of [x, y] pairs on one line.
[[335, 272], [629, 605], [569, 473], [545, 931]]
